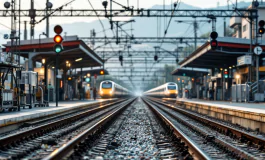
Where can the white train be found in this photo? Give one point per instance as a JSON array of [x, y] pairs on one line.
[[166, 90], [110, 89]]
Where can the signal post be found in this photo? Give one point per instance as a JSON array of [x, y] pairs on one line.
[[58, 47]]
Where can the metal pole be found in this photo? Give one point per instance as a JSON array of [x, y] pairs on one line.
[[81, 83], [57, 81], [257, 72], [195, 34], [47, 20], [250, 50]]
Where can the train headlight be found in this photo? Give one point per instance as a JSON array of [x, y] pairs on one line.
[[167, 92], [110, 92], [101, 92]]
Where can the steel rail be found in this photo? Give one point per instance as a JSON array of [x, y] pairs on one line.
[[239, 133], [217, 140], [4, 141], [63, 151], [193, 148]]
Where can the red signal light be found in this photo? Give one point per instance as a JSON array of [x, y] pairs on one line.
[[58, 29], [225, 72], [58, 39], [214, 44]]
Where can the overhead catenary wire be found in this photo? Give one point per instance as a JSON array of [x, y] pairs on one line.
[[102, 25], [57, 9], [165, 33]]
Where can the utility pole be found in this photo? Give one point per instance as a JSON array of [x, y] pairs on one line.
[[47, 20], [195, 25], [32, 19]]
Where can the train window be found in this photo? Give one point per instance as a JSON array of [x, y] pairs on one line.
[[106, 85], [171, 87]]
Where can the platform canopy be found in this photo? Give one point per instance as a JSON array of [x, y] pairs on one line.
[[225, 56], [190, 72], [92, 72], [76, 52]]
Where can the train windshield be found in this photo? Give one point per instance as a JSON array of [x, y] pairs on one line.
[[106, 85], [171, 87]]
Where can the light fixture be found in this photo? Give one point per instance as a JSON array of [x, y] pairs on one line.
[[53, 67], [88, 75], [221, 69], [230, 67], [67, 62], [43, 61], [84, 76], [237, 76], [79, 59]]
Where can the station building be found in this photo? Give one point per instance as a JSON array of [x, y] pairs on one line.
[[226, 66]]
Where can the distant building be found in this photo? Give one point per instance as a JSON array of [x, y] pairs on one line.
[[241, 26]]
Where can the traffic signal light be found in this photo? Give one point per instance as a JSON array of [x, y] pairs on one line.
[[214, 42], [102, 72], [261, 27], [226, 74], [87, 79], [58, 39], [155, 57]]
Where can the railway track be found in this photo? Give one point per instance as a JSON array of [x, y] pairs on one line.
[[13, 128], [134, 134], [232, 141], [39, 141]]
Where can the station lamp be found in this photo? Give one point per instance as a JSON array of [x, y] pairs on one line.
[[101, 72], [58, 39], [261, 27], [214, 42], [69, 78]]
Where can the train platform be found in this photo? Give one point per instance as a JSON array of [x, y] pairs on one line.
[[248, 107], [249, 115], [8, 118]]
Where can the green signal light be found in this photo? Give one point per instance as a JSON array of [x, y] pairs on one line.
[[58, 48], [87, 79]]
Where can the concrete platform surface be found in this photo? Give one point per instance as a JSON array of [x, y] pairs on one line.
[[7, 118], [248, 115], [247, 107]]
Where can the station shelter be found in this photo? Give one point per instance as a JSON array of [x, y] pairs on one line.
[[193, 78], [225, 66], [38, 55], [89, 79]]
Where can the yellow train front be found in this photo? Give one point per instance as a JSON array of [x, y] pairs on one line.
[[110, 89], [168, 90]]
